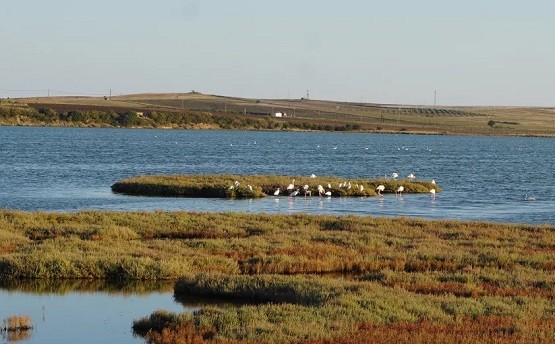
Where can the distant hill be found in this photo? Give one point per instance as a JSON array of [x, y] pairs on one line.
[[308, 114]]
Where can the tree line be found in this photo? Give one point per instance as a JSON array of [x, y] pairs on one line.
[[155, 119]]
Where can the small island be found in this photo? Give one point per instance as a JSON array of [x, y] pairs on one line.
[[257, 186]]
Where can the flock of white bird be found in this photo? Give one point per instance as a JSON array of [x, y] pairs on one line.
[[293, 190]]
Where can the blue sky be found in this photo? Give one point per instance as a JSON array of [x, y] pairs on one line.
[[473, 52]]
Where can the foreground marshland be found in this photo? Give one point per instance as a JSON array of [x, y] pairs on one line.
[[255, 186], [392, 279]]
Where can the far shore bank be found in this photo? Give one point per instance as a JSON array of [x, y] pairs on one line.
[[385, 132], [194, 111]]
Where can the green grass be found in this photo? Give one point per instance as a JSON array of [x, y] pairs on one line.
[[302, 277], [166, 245], [321, 307], [237, 186]]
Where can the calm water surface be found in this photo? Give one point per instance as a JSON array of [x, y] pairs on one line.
[[483, 178], [71, 169], [71, 314]]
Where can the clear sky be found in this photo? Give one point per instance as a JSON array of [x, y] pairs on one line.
[[489, 52]]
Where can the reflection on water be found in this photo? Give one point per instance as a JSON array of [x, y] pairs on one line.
[[16, 336], [92, 311], [61, 287], [193, 301], [84, 311], [17, 328]]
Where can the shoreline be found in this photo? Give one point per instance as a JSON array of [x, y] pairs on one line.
[[195, 111], [384, 132]]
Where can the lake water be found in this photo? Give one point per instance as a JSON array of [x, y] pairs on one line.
[[71, 169], [483, 178], [84, 311]]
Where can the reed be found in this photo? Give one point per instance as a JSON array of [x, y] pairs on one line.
[[18, 323], [237, 186]]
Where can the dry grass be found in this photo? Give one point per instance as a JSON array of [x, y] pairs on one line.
[[481, 330]]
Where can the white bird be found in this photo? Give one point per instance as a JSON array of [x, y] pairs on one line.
[[276, 193], [231, 187], [529, 198], [380, 189], [321, 190], [312, 175], [329, 186], [294, 193], [360, 188], [305, 187], [291, 186], [236, 183], [249, 187], [400, 190], [433, 194], [411, 176], [433, 182], [394, 175], [328, 193]]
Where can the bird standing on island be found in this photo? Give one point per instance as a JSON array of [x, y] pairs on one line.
[[394, 175], [276, 193], [291, 186], [380, 189]]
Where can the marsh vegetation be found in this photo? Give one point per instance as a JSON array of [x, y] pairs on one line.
[[309, 278], [255, 186]]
